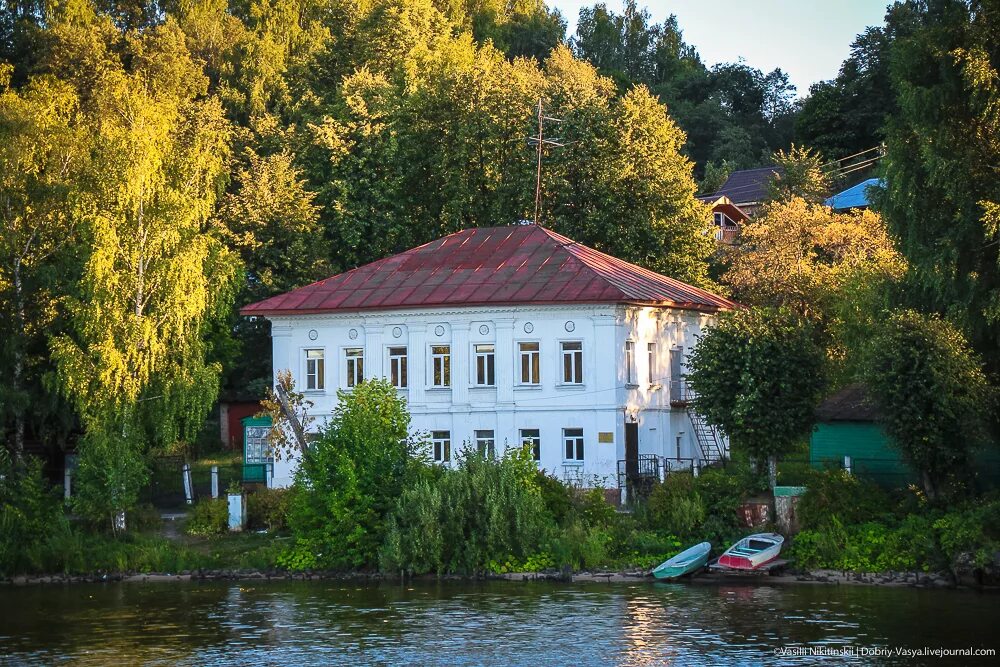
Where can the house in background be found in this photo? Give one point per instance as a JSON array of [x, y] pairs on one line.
[[854, 197], [507, 335], [739, 199]]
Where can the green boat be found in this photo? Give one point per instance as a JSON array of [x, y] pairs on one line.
[[685, 562]]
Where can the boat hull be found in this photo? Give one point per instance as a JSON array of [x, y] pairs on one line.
[[686, 562], [744, 556]]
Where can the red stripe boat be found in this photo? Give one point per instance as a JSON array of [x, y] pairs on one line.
[[752, 551]]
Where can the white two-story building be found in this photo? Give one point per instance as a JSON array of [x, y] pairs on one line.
[[504, 335]]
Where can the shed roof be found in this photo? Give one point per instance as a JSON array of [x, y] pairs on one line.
[[523, 264], [855, 196], [850, 403]]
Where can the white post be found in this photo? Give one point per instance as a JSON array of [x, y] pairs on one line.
[[695, 467], [186, 473], [67, 483], [215, 481], [847, 465], [269, 474]]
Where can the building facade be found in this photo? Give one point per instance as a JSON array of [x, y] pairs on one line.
[[518, 336]]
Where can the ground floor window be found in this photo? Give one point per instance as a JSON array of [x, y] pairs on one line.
[[442, 446], [573, 439], [530, 437], [486, 443]]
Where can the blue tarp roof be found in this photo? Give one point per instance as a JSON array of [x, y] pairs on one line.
[[853, 197]]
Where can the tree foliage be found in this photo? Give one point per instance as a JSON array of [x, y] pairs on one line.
[[942, 185], [758, 375], [931, 392]]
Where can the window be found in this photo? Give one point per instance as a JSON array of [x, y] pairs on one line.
[[573, 439], [485, 365], [355, 366], [529, 363], [572, 356], [441, 365], [442, 446], [486, 444], [530, 437], [629, 362], [719, 218], [397, 367], [654, 377], [315, 370]]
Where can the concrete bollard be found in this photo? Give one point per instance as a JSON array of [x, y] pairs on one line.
[[215, 482], [237, 512]]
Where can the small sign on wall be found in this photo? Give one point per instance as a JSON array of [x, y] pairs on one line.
[[606, 437]]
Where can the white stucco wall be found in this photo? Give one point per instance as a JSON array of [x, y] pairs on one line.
[[601, 404]]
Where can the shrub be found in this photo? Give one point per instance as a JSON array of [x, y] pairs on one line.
[[208, 517], [556, 496], [595, 509], [267, 509], [675, 505], [838, 494], [30, 516]]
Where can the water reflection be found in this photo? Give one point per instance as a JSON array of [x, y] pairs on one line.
[[476, 623]]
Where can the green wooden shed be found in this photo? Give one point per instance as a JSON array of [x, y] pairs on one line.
[[847, 432]]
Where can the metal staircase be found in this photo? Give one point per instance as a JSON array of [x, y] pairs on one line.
[[713, 449]]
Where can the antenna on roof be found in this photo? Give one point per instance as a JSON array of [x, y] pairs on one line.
[[540, 142]]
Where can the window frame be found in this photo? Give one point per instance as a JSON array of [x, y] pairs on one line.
[[320, 373], [574, 437], [489, 446], [537, 366], [535, 442], [630, 370], [354, 366], [400, 369], [445, 358], [441, 446], [489, 365], [652, 363], [574, 356]]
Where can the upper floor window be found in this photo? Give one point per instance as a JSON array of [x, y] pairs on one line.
[[441, 365], [441, 441], [629, 362], [530, 437], [486, 443], [315, 370], [529, 363], [654, 376], [485, 365], [573, 440], [397, 367], [572, 359], [355, 357]]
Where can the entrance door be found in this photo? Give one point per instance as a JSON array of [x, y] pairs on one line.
[[631, 453]]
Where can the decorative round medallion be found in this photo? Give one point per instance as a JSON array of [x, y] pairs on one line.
[[313, 334], [528, 327], [484, 329], [396, 332], [439, 330], [352, 334], [570, 326]]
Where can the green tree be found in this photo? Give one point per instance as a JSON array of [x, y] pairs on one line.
[[802, 175], [134, 363], [931, 392], [758, 375], [351, 477], [41, 153], [943, 147]]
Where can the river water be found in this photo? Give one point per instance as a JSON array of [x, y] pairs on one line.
[[486, 623]]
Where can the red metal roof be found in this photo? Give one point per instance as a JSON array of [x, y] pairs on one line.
[[524, 264]]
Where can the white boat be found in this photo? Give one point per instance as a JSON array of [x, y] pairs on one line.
[[752, 551]]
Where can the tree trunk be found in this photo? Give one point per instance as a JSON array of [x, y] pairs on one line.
[[930, 488], [17, 377]]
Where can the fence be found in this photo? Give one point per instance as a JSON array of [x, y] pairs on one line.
[[166, 481]]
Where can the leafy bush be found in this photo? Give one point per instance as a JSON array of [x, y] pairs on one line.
[[349, 481], [595, 509], [488, 510], [30, 516], [838, 494], [267, 509], [208, 517], [973, 530], [675, 505], [556, 496]]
